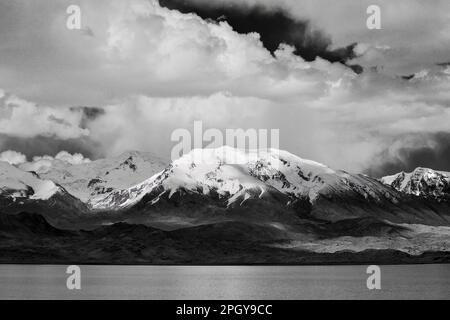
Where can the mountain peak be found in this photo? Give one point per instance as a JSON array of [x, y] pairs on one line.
[[137, 155], [235, 176], [16, 183], [96, 179], [229, 156], [421, 182]]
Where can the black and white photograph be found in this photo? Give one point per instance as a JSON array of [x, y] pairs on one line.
[[234, 150]]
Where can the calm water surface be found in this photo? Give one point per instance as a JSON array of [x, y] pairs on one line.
[[224, 282]]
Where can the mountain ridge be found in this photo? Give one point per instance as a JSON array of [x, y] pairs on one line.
[[216, 206], [421, 182], [212, 185]]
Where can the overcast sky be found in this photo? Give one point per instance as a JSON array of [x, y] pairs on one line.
[[138, 70]]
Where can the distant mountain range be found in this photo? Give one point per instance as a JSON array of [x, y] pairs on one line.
[[272, 201], [421, 182]]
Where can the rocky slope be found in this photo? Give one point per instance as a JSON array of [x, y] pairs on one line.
[[218, 243], [17, 184], [421, 182], [27, 191], [92, 182]]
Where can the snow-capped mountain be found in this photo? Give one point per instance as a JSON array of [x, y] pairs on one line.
[[272, 185], [260, 204], [26, 191], [421, 182], [17, 184], [92, 182], [235, 176], [217, 184]]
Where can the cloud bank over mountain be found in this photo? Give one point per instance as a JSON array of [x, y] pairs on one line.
[[275, 26], [145, 70], [38, 162]]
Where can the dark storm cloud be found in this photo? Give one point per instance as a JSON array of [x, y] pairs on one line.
[[443, 64], [436, 156], [408, 77], [39, 146], [89, 114], [274, 25]]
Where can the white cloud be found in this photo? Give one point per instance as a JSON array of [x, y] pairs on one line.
[[21, 118], [146, 123], [141, 48], [12, 157], [38, 166], [44, 163], [417, 31], [76, 158], [345, 126]]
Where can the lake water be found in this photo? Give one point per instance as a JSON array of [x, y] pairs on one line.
[[225, 282]]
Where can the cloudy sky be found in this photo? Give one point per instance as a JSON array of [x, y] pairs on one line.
[[373, 101]]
